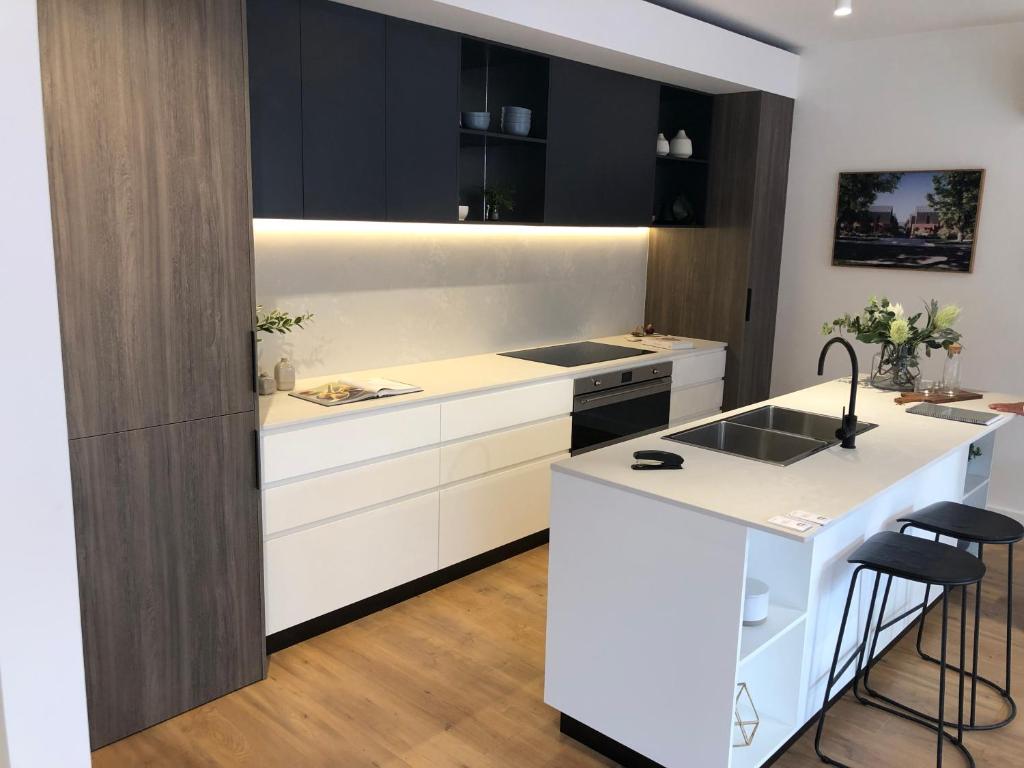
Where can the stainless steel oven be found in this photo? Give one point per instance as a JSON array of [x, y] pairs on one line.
[[611, 407]]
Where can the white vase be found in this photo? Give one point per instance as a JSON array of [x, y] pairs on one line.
[[662, 146], [681, 146], [284, 374]]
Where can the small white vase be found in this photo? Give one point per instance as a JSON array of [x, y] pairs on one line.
[[661, 148], [284, 374], [681, 146]]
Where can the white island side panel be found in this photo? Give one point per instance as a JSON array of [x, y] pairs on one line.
[[643, 621]]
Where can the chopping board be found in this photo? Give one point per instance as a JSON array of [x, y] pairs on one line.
[[938, 399]]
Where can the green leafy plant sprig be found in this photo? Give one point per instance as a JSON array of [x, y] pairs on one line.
[[277, 321]]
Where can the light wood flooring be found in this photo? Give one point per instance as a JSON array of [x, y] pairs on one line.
[[455, 678]]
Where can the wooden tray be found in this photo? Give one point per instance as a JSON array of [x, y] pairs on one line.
[[917, 397]]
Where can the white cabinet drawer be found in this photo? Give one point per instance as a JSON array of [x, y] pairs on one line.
[[346, 441], [480, 455], [346, 490], [692, 401], [696, 369], [479, 515], [315, 571], [506, 408]]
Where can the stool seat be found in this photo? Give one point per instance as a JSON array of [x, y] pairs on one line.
[[967, 523], [921, 560]]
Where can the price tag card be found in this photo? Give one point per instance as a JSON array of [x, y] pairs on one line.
[[794, 525], [810, 517]]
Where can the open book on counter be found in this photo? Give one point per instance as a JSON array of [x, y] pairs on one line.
[[341, 392]]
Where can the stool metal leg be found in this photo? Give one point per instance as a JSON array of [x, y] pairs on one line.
[[832, 674], [976, 677], [942, 677], [909, 713], [977, 637]]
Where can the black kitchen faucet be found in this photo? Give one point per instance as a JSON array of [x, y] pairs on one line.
[[847, 433]]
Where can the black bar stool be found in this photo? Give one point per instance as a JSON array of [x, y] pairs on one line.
[[926, 562], [978, 526]]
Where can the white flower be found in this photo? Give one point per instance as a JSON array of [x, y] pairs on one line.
[[897, 309], [899, 330], [946, 316]]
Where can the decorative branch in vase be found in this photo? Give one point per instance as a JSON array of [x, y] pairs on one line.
[[896, 365], [278, 321]]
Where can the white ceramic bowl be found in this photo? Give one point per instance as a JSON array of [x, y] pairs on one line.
[[755, 603]]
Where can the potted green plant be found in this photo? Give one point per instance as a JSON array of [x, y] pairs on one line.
[[497, 198], [896, 365]]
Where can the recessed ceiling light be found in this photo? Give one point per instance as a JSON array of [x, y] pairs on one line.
[[843, 7]]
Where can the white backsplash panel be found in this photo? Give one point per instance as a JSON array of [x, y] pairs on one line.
[[390, 294]]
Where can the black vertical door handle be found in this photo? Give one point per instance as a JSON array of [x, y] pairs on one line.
[[253, 341], [750, 292]]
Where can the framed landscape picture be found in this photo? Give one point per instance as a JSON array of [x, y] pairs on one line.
[[924, 220]]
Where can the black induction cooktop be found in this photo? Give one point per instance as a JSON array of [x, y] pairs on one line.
[[579, 353]]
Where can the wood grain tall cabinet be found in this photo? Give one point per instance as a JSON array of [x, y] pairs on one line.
[[147, 141], [721, 281]]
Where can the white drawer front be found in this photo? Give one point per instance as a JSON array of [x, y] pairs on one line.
[[507, 408], [312, 572], [480, 455], [335, 444], [346, 490], [482, 514], [692, 401], [698, 368]]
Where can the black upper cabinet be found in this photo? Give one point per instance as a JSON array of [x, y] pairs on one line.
[[343, 112], [422, 122], [275, 107], [602, 127]]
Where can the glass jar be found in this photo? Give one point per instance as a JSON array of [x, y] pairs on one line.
[[951, 371]]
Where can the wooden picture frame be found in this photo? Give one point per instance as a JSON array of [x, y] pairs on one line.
[[923, 220]]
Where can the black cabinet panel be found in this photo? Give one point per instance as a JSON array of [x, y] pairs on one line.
[[275, 107], [602, 127], [343, 112], [422, 122]]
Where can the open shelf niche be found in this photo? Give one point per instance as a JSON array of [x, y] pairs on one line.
[[979, 471], [681, 184], [771, 655], [494, 76]]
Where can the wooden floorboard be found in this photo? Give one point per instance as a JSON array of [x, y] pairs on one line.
[[455, 678]]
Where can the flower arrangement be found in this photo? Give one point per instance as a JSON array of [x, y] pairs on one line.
[[884, 322]]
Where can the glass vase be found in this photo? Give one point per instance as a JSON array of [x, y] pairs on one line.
[[895, 368]]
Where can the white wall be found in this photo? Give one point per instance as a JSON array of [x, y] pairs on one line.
[[929, 101], [42, 684], [628, 35], [387, 294]]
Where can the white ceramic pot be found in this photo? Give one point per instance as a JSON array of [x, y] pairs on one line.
[[755, 602], [680, 146], [463, 212], [661, 148]]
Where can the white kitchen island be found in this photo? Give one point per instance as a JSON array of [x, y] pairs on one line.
[[645, 643]]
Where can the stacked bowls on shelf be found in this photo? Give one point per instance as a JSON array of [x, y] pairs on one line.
[[477, 121], [516, 120]]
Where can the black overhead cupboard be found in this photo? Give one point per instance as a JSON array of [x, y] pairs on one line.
[[355, 115]]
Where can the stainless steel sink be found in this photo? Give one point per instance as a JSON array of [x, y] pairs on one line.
[[767, 445], [812, 425], [771, 434]]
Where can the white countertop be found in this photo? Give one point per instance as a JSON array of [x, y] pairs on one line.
[[831, 482], [454, 377]]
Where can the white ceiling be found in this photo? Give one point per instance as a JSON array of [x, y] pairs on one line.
[[797, 25]]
